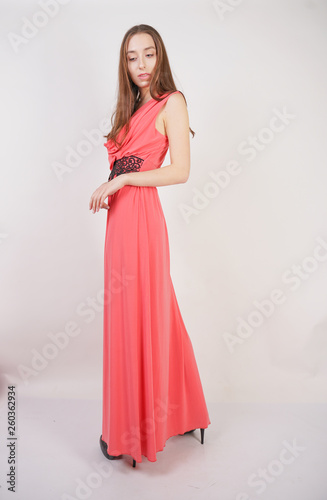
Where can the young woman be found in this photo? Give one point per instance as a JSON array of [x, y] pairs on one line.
[[151, 384]]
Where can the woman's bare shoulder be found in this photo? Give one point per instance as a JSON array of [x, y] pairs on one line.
[[175, 105]]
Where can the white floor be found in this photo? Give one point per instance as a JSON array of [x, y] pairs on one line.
[[250, 451]]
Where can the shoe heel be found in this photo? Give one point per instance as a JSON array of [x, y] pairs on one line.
[[134, 462], [202, 436]]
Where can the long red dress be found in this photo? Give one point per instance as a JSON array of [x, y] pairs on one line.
[[151, 384]]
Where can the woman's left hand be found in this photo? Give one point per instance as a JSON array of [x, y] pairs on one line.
[[106, 189]]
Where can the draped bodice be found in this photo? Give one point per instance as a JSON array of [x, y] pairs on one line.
[[143, 140]]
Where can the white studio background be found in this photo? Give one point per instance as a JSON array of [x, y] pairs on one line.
[[251, 217]]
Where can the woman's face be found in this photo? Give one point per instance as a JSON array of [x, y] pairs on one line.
[[141, 59]]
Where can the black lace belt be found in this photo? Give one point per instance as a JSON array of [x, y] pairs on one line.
[[124, 165]]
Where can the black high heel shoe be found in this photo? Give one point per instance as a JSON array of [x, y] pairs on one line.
[[202, 434], [103, 446]]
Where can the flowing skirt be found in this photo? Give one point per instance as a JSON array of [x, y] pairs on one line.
[[151, 384]]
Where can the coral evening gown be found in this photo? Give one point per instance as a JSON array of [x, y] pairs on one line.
[[151, 384]]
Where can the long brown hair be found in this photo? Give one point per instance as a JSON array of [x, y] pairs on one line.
[[128, 93]]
